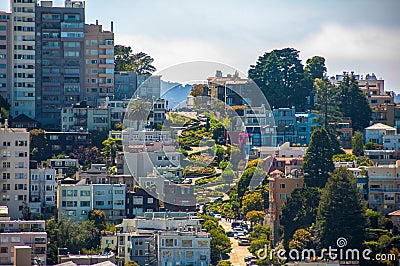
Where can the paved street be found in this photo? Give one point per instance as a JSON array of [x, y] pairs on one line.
[[238, 253]]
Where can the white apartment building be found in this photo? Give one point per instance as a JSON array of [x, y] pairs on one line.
[[183, 247], [42, 191], [391, 142], [84, 118], [77, 200], [14, 181], [23, 59], [131, 229], [22, 233], [376, 132]]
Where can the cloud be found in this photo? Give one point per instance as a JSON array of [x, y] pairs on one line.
[[363, 49], [168, 52], [363, 43]]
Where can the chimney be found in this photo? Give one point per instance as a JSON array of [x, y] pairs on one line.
[[6, 123], [112, 26], [97, 22]]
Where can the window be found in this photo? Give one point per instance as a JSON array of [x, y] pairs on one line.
[[15, 239], [202, 243], [150, 200], [187, 243], [119, 191], [85, 193], [169, 242], [99, 192], [69, 193], [3, 249], [99, 202], [189, 254], [282, 185], [85, 203], [137, 200], [283, 196], [118, 202]]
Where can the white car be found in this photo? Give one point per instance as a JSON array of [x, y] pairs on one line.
[[238, 235], [218, 216]]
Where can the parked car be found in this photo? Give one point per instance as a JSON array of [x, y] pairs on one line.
[[187, 181], [240, 229], [230, 233], [218, 216], [244, 242], [235, 224], [237, 235], [249, 258]]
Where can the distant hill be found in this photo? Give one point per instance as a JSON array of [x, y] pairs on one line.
[[175, 93]]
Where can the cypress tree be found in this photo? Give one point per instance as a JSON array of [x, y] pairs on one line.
[[340, 211], [318, 164]]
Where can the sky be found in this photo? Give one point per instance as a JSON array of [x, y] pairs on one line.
[[359, 35]]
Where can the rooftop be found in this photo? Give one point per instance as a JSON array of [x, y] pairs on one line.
[[381, 126], [395, 213]]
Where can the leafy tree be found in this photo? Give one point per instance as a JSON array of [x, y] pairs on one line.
[[228, 174], [111, 146], [39, 148], [198, 90], [281, 78], [126, 60], [364, 161], [234, 156], [246, 178], [259, 237], [357, 144], [97, 137], [219, 152], [220, 244], [4, 109], [354, 103], [255, 217], [301, 239], [87, 156], [99, 219], [299, 211], [373, 146], [71, 171], [75, 236], [224, 263], [252, 201], [315, 67], [318, 164], [131, 263], [340, 211], [327, 101]]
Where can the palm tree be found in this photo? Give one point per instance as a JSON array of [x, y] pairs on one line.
[[138, 113]]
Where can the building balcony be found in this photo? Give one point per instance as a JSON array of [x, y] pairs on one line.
[[106, 46], [385, 190], [379, 201]]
